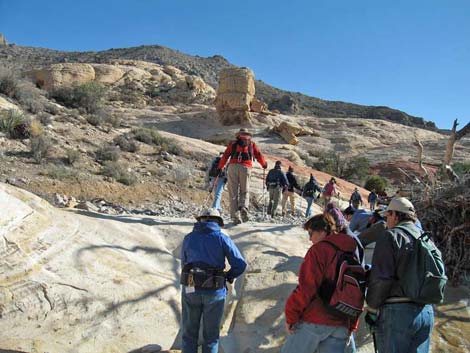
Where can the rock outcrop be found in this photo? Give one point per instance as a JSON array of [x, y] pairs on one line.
[[58, 75], [3, 40], [290, 131], [234, 95]]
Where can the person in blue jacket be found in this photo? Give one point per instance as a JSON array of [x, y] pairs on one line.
[[358, 219], [203, 278]]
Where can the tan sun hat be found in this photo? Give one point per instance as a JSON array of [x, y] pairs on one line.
[[211, 213], [401, 204]]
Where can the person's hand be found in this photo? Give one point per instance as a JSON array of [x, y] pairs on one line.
[[371, 321], [265, 166], [289, 329]]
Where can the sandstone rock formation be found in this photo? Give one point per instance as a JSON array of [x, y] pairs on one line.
[[234, 95], [290, 131], [58, 75], [3, 40], [258, 106]]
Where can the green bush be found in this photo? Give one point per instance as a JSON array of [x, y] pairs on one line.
[[107, 153], [126, 143], [71, 156], [118, 172], [88, 96], [14, 124], [351, 169], [8, 83], [58, 172], [148, 136], [41, 147], [461, 168], [376, 182]]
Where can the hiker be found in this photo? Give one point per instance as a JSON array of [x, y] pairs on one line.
[[358, 219], [400, 325], [308, 193], [203, 255], [311, 325], [372, 199], [242, 151], [376, 228], [213, 175], [355, 200], [276, 182], [329, 190], [289, 193]]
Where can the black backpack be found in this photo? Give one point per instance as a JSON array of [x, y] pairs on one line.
[[346, 294], [214, 171], [309, 189]]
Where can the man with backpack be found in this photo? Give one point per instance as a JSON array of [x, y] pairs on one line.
[[241, 152], [276, 182], [407, 276], [355, 200], [289, 193], [309, 192], [372, 199], [203, 256], [216, 180]]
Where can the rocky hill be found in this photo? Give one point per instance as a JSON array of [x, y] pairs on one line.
[[286, 102]]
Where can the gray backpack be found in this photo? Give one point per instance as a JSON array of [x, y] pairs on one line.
[[423, 279]]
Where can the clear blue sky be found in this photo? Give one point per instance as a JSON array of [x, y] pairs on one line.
[[413, 55]]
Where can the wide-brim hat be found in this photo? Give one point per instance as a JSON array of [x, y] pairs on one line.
[[400, 204], [211, 213], [243, 131]]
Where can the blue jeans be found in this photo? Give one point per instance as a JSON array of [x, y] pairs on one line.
[[405, 328], [208, 305], [310, 338], [218, 189], [309, 206]]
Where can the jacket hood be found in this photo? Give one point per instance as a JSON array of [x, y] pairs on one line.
[[342, 241], [206, 227]]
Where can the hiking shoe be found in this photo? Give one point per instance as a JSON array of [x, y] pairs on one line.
[[244, 214], [236, 221]]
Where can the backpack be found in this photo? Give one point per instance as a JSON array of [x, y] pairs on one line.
[[272, 179], [242, 149], [309, 189], [356, 197], [345, 296], [214, 170], [423, 277]]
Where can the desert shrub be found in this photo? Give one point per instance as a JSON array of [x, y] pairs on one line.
[[88, 96], [71, 156], [181, 175], [148, 136], [45, 118], [14, 124], [173, 148], [126, 143], [29, 97], [95, 120], [461, 168], [351, 169], [59, 172], [376, 182], [35, 128], [108, 153], [119, 172], [41, 147], [8, 83]]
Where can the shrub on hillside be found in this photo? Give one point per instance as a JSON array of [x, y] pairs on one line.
[[351, 169], [118, 172], [41, 147], [8, 83], [108, 153], [88, 96], [14, 124], [71, 156], [59, 172], [461, 168], [376, 182], [152, 137], [126, 143]]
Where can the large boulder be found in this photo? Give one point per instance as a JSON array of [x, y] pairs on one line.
[[234, 95], [58, 75], [290, 131], [105, 73]]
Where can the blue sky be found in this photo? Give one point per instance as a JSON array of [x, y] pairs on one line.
[[410, 55]]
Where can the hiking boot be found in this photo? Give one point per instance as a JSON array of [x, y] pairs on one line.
[[244, 214], [236, 221]]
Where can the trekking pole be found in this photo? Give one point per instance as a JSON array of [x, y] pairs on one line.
[[264, 194], [211, 188], [375, 342]]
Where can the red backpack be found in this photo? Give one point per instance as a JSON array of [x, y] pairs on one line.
[[345, 295], [329, 189]]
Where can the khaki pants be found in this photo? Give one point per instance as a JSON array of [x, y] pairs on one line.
[[288, 195], [274, 198], [238, 185]]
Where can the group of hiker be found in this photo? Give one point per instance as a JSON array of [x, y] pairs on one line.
[[406, 275]]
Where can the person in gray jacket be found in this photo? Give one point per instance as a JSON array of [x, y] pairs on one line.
[[400, 324]]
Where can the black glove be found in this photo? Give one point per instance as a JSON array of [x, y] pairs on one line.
[[230, 279]]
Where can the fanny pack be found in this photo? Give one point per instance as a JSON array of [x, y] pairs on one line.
[[202, 278]]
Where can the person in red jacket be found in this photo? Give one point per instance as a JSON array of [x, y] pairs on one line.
[[310, 324], [240, 153]]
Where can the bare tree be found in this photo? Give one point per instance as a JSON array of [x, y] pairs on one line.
[[454, 137]]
